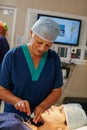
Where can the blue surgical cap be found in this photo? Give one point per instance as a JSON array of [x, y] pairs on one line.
[[46, 28]]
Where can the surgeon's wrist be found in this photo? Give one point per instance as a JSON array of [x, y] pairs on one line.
[[43, 106], [18, 102]]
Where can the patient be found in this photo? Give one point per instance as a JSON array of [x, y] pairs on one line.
[[65, 117], [53, 119]]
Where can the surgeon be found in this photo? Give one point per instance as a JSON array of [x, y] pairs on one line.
[[31, 76]]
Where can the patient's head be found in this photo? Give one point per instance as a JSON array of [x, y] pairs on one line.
[[71, 115]]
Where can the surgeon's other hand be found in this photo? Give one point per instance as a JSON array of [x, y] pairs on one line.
[[37, 113], [23, 106]]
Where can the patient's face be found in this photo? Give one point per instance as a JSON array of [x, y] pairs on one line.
[[54, 115]]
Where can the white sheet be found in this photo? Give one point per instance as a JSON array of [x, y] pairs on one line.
[[82, 128]]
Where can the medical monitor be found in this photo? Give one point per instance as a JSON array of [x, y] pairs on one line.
[[69, 30]]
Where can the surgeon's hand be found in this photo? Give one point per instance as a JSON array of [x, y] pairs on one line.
[[37, 113], [23, 106]]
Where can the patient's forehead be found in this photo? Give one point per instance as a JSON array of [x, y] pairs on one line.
[[57, 107]]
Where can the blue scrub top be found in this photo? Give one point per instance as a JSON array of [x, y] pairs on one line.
[[16, 76]]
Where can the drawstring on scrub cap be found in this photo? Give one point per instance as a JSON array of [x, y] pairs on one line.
[[46, 28]]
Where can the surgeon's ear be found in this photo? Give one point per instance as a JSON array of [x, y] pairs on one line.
[[31, 32]]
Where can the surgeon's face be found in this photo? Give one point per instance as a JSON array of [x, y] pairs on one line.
[[54, 115], [39, 45]]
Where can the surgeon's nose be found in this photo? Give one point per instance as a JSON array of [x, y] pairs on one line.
[[42, 48]]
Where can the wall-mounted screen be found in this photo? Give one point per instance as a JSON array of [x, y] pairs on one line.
[[69, 30]]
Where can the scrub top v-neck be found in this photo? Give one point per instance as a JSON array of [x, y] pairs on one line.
[[16, 76], [35, 72]]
